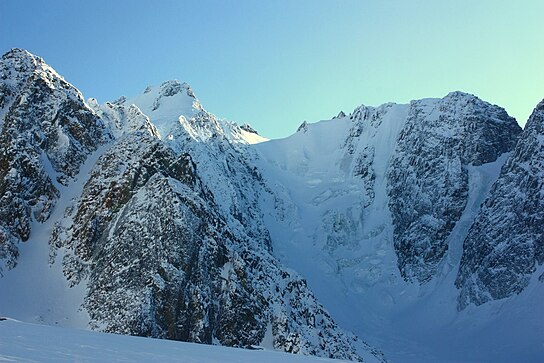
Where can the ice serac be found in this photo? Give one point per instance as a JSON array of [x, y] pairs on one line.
[[46, 133], [506, 243], [428, 179]]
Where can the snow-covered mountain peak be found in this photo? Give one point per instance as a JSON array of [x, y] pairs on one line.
[[462, 104], [171, 88], [172, 112], [46, 134], [18, 64], [167, 104], [20, 69], [22, 60], [460, 94]]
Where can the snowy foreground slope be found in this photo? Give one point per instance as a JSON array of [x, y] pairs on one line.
[[23, 342], [400, 232]]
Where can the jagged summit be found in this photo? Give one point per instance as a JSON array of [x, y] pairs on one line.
[[22, 59], [18, 64], [153, 96], [458, 104], [176, 113], [167, 105], [249, 128]]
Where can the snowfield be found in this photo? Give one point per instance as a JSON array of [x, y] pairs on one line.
[[23, 342]]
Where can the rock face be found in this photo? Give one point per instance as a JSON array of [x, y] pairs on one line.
[[118, 174], [147, 235], [46, 133], [506, 242], [169, 229], [428, 179]]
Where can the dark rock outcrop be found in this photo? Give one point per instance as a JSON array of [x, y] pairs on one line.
[[428, 179], [46, 133], [506, 242], [161, 261]]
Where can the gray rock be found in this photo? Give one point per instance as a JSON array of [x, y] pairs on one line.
[[428, 179], [162, 261], [46, 133], [506, 242]]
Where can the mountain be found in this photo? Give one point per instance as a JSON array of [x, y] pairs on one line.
[[164, 224], [47, 132], [428, 178], [505, 245], [150, 216], [375, 210]]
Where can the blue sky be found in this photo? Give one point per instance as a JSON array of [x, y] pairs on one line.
[[275, 64]]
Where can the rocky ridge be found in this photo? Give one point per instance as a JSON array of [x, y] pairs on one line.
[[428, 178], [46, 132], [506, 242]]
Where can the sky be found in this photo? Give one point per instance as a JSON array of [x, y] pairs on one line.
[[275, 64]]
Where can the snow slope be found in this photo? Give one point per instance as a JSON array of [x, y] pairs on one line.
[[23, 342], [38, 291]]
